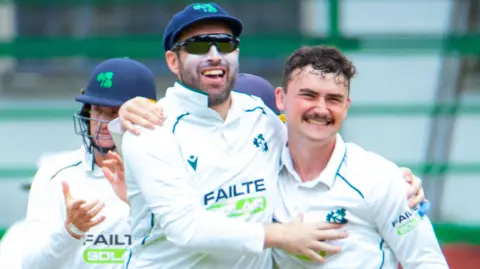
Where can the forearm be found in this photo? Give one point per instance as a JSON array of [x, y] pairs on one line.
[[212, 233], [273, 235], [46, 252]]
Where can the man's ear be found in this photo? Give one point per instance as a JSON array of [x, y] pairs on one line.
[[173, 61], [279, 98]]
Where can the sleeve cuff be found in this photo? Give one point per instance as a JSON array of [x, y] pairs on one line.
[[65, 242], [257, 242]]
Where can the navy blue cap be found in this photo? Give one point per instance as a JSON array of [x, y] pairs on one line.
[[117, 80], [257, 86], [195, 13]]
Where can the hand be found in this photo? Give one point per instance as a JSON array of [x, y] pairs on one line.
[[113, 171], [415, 193], [140, 111], [81, 214], [306, 240]]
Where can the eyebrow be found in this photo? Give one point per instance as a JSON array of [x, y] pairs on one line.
[[330, 95], [336, 95], [307, 90]]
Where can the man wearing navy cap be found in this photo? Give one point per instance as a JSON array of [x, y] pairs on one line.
[[74, 218]]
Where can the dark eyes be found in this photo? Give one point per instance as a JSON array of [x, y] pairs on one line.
[[307, 95]]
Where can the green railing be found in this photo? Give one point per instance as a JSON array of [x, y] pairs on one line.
[[261, 46]]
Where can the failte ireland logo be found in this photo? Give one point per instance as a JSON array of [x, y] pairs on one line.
[[238, 200], [106, 249]]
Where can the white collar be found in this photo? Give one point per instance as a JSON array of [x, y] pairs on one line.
[[328, 175], [195, 102], [89, 165]]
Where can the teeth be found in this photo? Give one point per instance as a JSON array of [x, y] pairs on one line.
[[215, 72], [316, 122]]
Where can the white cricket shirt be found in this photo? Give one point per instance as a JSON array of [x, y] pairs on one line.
[[367, 192], [200, 188], [11, 246], [49, 245]]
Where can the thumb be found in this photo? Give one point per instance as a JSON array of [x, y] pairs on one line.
[[118, 159], [66, 193]]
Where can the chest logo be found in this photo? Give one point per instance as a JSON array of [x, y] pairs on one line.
[[260, 143], [337, 216]]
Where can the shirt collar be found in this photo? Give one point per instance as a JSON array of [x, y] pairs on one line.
[[328, 175], [195, 102], [89, 165]]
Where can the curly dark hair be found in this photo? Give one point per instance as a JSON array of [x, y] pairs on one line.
[[325, 59]]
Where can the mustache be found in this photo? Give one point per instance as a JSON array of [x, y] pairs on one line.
[[212, 64], [318, 117]]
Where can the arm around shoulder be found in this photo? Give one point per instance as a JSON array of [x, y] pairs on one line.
[[409, 234]]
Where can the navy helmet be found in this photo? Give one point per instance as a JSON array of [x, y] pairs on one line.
[[111, 84], [257, 86]]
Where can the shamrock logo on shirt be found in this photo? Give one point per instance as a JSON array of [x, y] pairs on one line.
[[337, 216], [260, 142]]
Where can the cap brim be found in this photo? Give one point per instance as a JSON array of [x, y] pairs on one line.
[[98, 101], [235, 25]]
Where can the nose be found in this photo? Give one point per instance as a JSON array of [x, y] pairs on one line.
[[214, 55], [321, 104]]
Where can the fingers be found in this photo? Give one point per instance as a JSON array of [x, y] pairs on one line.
[[142, 112], [416, 199], [94, 212], [154, 116], [407, 174], [76, 205], [109, 175], [414, 188], [327, 226], [85, 216], [66, 193], [322, 247], [314, 256], [128, 126], [115, 156], [96, 221], [85, 209], [330, 235]]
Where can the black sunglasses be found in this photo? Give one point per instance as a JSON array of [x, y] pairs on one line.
[[201, 44]]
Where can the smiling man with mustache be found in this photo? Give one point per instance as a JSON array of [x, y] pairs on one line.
[[326, 178]]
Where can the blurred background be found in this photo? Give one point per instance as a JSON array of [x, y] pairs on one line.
[[416, 99]]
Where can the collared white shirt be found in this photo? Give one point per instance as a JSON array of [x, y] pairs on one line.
[[49, 244], [201, 188], [368, 194]]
